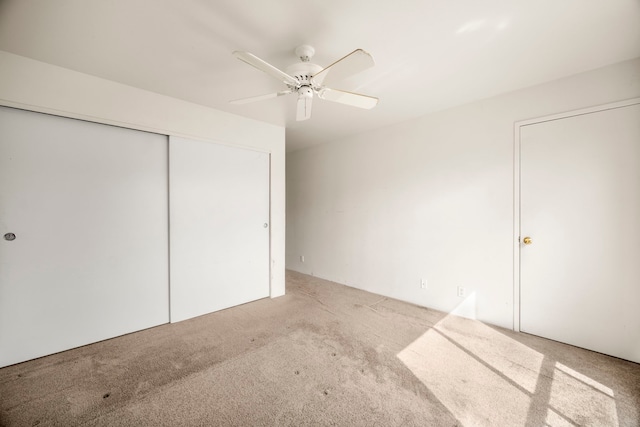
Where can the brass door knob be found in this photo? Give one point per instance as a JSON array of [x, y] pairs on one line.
[[527, 240]]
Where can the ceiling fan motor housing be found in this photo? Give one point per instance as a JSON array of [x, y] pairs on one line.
[[303, 71]]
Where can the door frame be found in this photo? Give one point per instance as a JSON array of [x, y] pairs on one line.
[[516, 187]]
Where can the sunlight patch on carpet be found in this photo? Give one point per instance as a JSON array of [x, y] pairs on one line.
[[462, 383], [582, 399], [483, 377]]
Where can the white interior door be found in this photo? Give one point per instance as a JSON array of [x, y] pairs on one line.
[[219, 221], [580, 205], [88, 206]]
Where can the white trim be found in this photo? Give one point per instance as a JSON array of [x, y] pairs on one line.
[[582, 111], [126, 125], [516, 187], [516, 228]]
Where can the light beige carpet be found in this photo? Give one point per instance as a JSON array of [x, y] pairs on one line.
[[324, 354]]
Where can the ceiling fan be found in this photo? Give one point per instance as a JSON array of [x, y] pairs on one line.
[[306, 79]]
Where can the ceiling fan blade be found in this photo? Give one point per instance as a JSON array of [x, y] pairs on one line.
[[303, 111], [348, 98], [264, 66], [353, 63], [260, 97]]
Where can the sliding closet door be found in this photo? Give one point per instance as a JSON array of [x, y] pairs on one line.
[[84, 233], [219, 222]]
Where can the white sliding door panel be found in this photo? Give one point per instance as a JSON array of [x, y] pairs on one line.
[[88, 206], [580, 205], [219, 227]]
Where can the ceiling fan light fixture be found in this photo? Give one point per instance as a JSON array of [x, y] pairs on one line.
[[305, 92]]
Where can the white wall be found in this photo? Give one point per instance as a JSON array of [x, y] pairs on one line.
[[429, 198], [37, 86]]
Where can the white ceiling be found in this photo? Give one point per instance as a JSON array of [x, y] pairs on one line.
[[430, 54]]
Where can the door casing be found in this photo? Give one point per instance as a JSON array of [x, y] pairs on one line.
[[517, 246]]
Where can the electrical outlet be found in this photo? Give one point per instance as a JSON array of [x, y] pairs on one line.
[[462, 291], [423, 283], [301, 258]]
